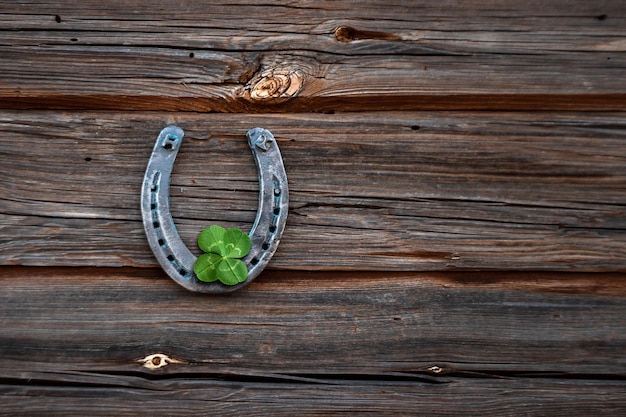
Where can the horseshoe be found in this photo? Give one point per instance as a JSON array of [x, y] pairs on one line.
[[173, 256]]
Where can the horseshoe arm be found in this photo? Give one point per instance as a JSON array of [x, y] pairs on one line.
[[170, 251]]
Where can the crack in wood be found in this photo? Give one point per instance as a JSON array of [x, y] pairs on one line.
[[349, 34]]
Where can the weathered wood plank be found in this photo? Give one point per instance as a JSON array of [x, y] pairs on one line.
[[307, 56], [498, 342], [386, 191], [56, 320], [205, 396]]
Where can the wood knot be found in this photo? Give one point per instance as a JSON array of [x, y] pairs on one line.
[[157, 360], [345, 34], [435, 369], [275, 84]]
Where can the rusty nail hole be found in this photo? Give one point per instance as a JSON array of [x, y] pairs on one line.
[[191, 55], [156, 361]]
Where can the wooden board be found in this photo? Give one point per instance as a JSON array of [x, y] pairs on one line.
[[315, 342], [288, 396], [372, 191], [278, 396], [284, 56]]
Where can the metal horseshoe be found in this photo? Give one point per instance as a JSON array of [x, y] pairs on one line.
[[175, 258]]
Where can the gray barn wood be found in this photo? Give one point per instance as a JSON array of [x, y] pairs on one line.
[[429, 191], [320, 343], [456, 243], [225, 56]]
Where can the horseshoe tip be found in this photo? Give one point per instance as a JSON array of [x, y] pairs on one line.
[[260, 137], [173, 130]]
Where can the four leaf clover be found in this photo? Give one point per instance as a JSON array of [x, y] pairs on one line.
[[222, 262]]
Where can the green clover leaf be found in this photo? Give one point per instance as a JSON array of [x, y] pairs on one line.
[[221, 261]]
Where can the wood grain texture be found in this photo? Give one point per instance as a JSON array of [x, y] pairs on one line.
[[130, 396], [315, 342], [323, 55], [374, 191]]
